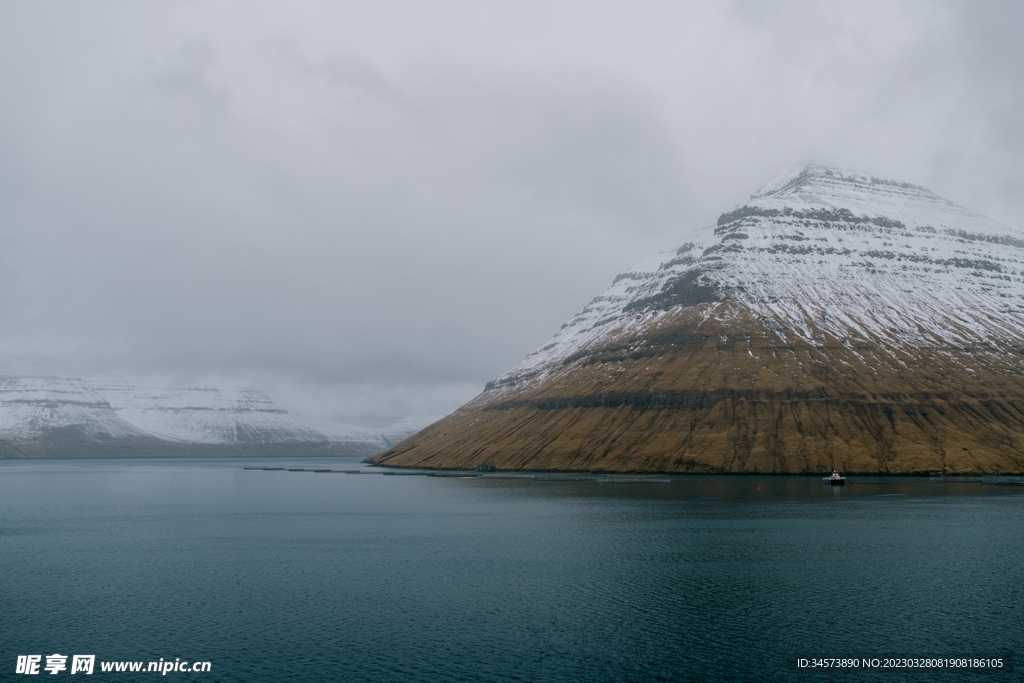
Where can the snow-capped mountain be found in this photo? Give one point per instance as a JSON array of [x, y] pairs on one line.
[[823, 250], [71, 417], [836, 319], [205, 415], [38, 414]]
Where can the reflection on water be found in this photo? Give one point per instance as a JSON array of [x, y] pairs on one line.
[[279, 575]]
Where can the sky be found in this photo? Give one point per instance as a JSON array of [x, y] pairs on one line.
[[369, 210]]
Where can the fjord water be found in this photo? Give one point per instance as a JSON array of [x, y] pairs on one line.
[[302, 576]]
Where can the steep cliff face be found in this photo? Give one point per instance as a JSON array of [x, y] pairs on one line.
[[835, 320]]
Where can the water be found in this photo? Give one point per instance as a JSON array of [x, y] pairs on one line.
[[296, 576]]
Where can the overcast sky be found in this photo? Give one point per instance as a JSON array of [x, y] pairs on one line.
[[370, 209]]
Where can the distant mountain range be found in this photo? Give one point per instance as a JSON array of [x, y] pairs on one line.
[[72, 417], [836, 320]]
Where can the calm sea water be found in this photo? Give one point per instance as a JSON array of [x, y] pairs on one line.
[[297, 576]]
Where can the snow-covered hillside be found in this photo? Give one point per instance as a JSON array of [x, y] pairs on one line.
[[41, 408], [822, 250], [49, 415], [204, 415]]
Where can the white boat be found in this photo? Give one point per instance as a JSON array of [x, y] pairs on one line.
[[836, 479]]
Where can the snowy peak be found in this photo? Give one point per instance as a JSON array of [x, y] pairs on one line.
[[819, 250], [819, 189], [827, 183]]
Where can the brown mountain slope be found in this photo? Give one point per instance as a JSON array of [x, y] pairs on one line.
[[834, 321], [699, 395]]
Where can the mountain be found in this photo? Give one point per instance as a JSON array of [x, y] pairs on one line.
[[71, 417], [211, 421], [836, 320], [42, 416]]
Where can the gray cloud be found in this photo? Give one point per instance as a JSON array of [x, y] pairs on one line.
[[370, 210]]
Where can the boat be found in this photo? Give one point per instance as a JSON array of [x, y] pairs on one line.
[[836, 479]]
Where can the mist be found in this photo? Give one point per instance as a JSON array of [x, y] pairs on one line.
[[369, 210]]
